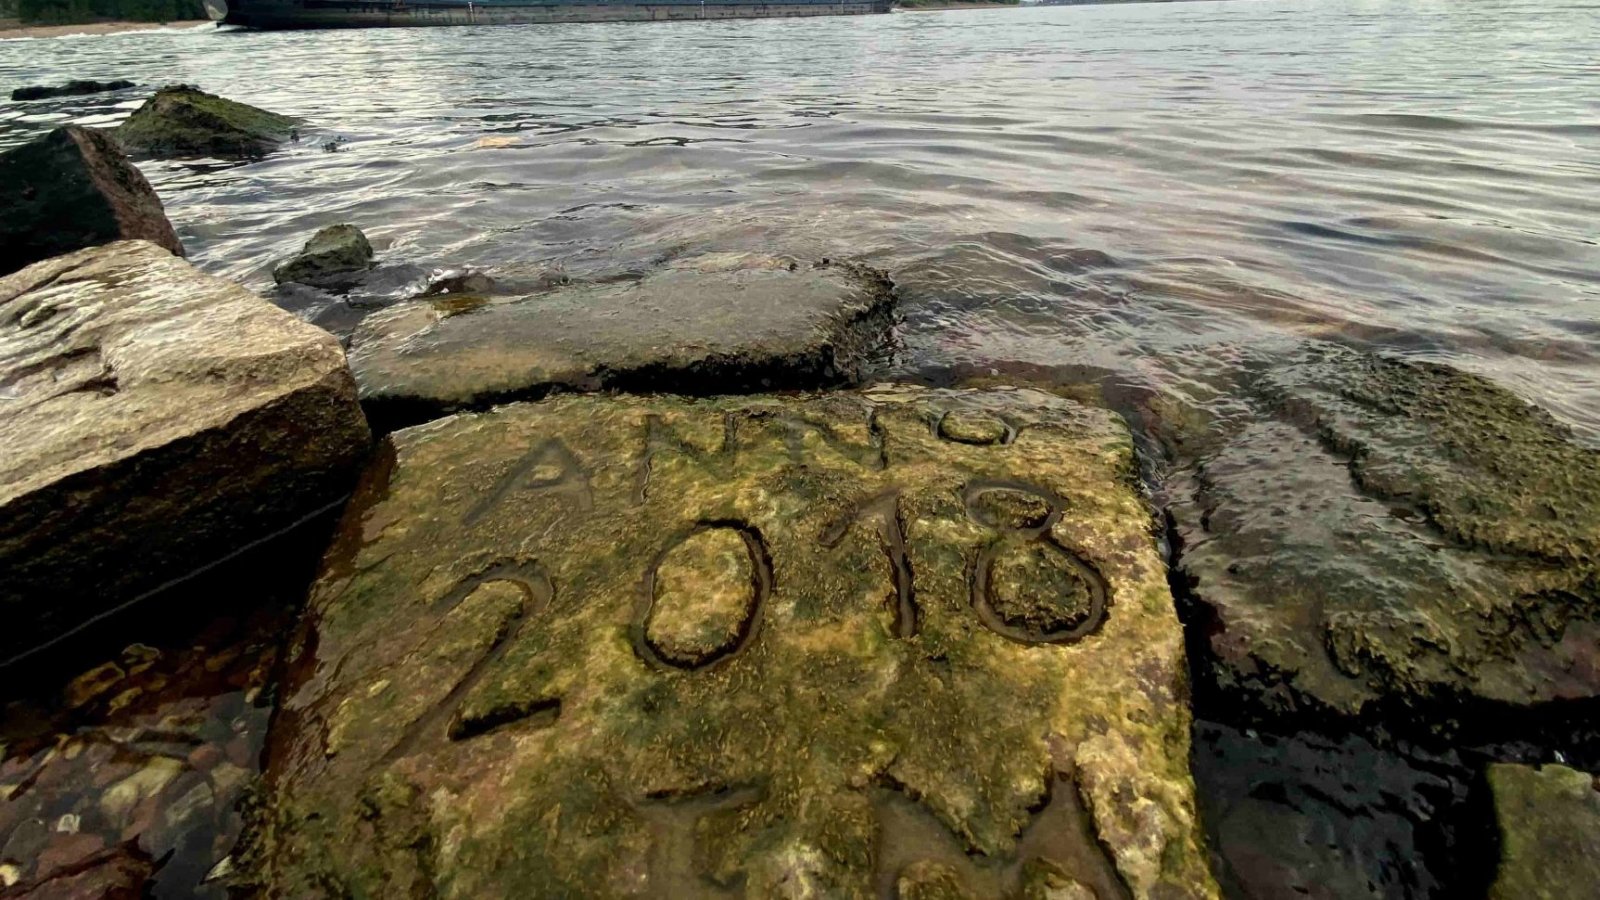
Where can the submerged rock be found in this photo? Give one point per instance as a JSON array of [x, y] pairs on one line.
[[78, 88], [335, 255], [181, 121], [152, 419], [614, 647], [1389, 534], [1549, 832], [1310, 816], [712, 324], [74, 188]]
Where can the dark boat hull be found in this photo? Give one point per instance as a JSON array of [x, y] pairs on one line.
[[281, 14]]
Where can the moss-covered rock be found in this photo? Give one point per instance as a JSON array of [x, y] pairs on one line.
[[180, 121], [335, 255], [504, 690], [1549, 833], [1394, 533]]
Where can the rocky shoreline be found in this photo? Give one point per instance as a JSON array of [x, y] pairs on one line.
[[649, 587]]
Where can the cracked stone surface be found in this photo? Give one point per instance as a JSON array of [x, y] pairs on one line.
[[625, 647], [152, 419]]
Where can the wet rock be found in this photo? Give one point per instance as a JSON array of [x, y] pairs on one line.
[[115, 874], [152, 420], [180, 122], [336, 255], [78, 88], [74, 188], [1383, 535], [711, 324], [1549, 832], [663, 647]]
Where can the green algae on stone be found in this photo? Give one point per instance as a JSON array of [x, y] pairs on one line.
[[1394, 533], [333, 255], [504, 691], [1549, 821], [180, 122]]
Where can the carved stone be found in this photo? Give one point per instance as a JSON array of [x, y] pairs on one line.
[[618, 647]]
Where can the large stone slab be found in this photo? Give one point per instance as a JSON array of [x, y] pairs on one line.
[[70, 189], [152, 418], [904, 642], [1549, 821], [1387, 535], [718, 323]]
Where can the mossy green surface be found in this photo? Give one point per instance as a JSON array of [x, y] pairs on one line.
[[480, 710], [1398, 533], [180, 121], [1549, 820], [336, 254]]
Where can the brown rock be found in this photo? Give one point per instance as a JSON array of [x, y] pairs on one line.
[[74, 188], [152, 419]]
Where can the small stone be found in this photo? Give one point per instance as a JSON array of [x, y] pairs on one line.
[[117, 804], [66, 851], [10, 874], [92, 684], [220, 871], [931, 880], [181, 122], [139, 657], [205, 757], [330, 258]]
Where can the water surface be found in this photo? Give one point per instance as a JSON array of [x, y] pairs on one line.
[[1148, 193]]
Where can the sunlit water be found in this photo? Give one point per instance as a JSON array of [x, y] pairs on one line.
[[1147, 193]]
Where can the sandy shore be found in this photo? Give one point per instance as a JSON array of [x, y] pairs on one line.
[[10, 30]]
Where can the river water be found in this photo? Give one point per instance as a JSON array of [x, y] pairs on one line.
[[1145, 197], [1141, 193]]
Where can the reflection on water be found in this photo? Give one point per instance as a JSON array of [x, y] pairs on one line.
[[1156, 190]]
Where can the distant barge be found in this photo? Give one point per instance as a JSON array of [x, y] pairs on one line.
[[396, 13]]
